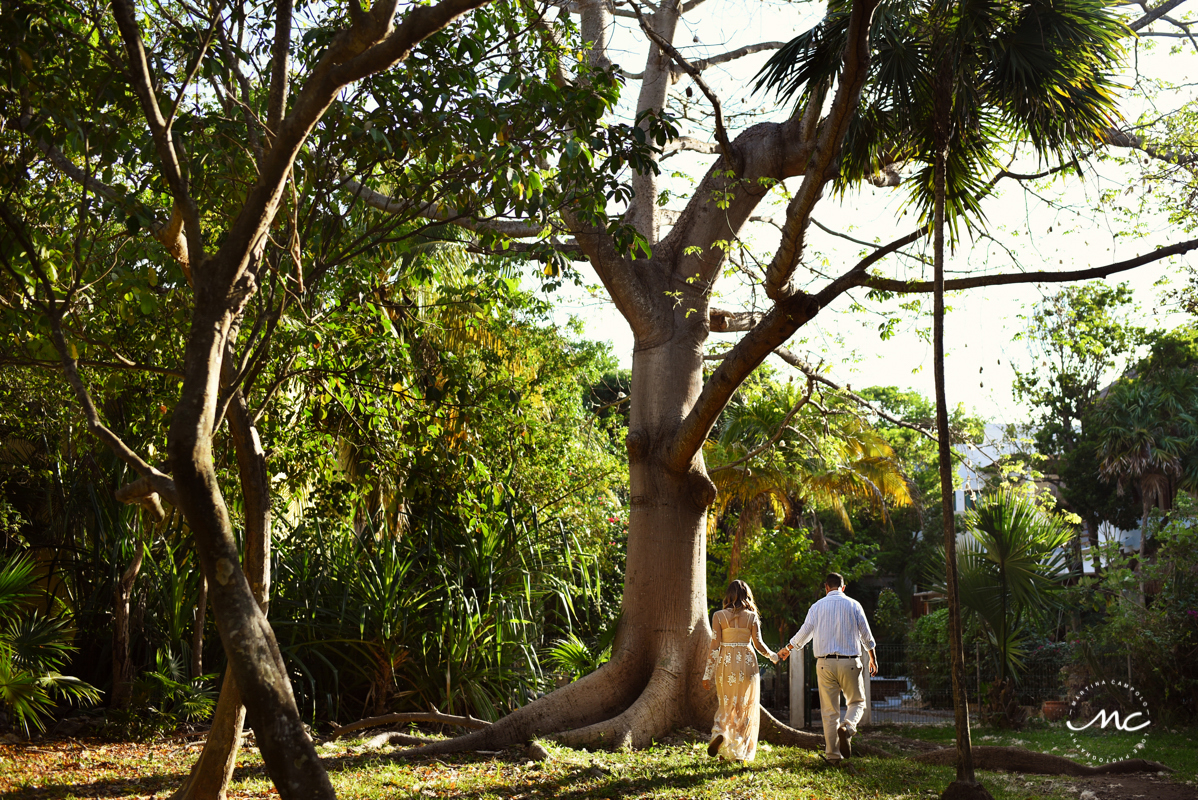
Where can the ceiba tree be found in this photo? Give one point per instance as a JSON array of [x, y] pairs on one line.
[[659, 275], [651, 684]]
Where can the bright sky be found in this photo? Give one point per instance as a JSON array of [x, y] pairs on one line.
[[982, 324]]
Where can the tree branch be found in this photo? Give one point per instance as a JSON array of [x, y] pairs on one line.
[[432, 211], [52, 309], [748, 50], [427, 716], [168, 234], [813, 374], [689, 144], [280, 65], [721, 133], [779, 274], [721, 320], [143, 87], [912, 287], [1155, 14], [766, 445]]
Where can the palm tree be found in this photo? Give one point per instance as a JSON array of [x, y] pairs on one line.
[[954, 83], [817, 460], [1149, 438], [33, 647], [1009, 567]]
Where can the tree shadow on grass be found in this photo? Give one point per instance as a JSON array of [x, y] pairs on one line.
[[569, 781]]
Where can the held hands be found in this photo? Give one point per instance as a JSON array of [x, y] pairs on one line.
[[784, 653]]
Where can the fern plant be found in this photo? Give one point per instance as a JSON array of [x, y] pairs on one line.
[[163, 699], [33, 648]]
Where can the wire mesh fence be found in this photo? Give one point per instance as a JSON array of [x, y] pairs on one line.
[[914, 684]]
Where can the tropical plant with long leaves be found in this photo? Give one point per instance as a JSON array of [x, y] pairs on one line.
[[776, 452], [1011, 564], [33, 648], [1149, 437]]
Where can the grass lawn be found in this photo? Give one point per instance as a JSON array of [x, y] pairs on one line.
[[1175, 747], [678, 768]]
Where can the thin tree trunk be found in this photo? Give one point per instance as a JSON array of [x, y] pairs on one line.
[[122, 664], [965, 771], [197, 634], [248, 640], [210, 775], [1092, 525]]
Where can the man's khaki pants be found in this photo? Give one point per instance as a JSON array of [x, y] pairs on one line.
[[836, 675]]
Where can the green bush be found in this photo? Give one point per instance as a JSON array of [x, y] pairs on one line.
[[162, 700], [1151, 615], [928, 657], [890, 618], [33, 648]]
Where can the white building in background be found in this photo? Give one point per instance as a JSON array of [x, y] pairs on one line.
[[976, 466]]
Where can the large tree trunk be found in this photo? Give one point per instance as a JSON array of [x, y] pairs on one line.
[[654, 681]]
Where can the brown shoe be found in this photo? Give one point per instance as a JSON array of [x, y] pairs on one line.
[[713, 747], [846, 742]]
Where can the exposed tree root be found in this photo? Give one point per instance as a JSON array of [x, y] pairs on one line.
[[427, 716], [1017, 759], [394, 738], [779, 733], [654, 714], [601, 695]]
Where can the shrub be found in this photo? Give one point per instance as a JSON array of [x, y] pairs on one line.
[[33, 647]]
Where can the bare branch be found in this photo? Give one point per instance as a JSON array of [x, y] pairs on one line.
[[814, 374], [779, 274], [1155, 14], [144, 493], [377, 200], [720, 320], [143, 87], [689, 144], [748, 50], [280, 64], [168, 234], [912, 287], [721, 133], [1123, 138], [391, 719]]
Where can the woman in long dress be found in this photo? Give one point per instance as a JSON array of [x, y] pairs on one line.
[[733, 664]]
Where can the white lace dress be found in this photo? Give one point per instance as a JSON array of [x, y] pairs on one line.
[[733, 664]]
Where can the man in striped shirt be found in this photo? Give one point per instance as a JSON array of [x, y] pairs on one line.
[[838, 626]]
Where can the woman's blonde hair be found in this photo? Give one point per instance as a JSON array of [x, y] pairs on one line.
[[739, 595]]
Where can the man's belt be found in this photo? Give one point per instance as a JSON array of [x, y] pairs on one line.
[[834, 655]]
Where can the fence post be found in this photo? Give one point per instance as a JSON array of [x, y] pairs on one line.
[[798, 689]]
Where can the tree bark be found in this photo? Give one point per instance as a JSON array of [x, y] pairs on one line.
[[248, 640], [942, 107], [122, 664], [210, 775], [197, 633]]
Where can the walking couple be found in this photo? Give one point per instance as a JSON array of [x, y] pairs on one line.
[[838, 626]]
